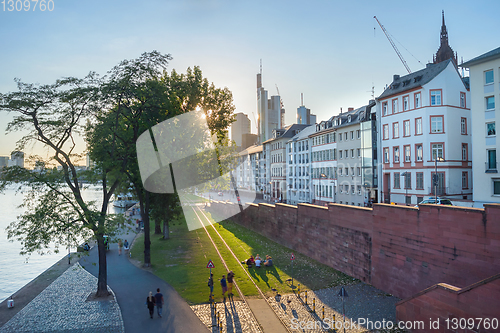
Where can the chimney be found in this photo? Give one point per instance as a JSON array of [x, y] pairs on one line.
[[340, 110], [428, 65], [350, 109], [395, 77]]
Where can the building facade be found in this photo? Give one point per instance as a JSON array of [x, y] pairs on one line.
[[239, 128], [484, 75], [424, 136], [269, 111]]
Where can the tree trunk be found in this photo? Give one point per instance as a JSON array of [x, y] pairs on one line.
[[157, 227], [102, 280], [166, 229], [147, 241]]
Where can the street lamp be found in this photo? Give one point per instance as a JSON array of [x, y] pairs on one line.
[[435, 178], [321, 176]]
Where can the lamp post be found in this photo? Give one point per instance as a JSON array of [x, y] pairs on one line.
[[435, 178], [321, 176]]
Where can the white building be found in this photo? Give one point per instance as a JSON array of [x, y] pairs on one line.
[[4, 161], [247, 171], [420, 116], [298, 165], [484, 77], [239, 128], [275, 150], [271, 114], [16, 159]]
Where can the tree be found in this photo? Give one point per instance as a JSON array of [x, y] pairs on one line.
[[141, 94], [52, 114]]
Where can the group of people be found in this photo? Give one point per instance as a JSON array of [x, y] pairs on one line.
[[121, 245], [257, 261], [226, 285], [156, 300]]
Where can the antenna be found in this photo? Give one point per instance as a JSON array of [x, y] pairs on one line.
[[301, 99], [372, 91], [260, 66]]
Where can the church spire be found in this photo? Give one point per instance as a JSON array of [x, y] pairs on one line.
[[444, 52]]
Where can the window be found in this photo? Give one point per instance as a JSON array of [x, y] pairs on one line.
[[465, 179], [406, 104], [396, 154], [407, 154], [420, 181], [492, 159], [352, 153], [417, 100], [496, 186], [340, 136], [407, 180], [394, 106], [396, 180], [490, 102], [345, 136], [406, 128], [384, 108], [462, 100], [346, 172], [488, 77], [358, 151], [490, 129], [358, 169], [346, 188], [437, 149], [386, 155], [465, 153], [437, 124], [395, 130], [420, 153], [340, 174], [359, 190], [418, 126], [463, 126], [346, 153], [352, 191], [358, 134], [352, 135], [340, 154], [386, 132], [435, 97]]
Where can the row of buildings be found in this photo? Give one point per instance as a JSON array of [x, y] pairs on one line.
[[16, 159], [431, 132]]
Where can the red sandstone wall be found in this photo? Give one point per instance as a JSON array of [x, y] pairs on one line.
[[398, 249], [442, 302]]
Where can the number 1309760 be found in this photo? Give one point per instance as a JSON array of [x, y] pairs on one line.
[[27, 5]]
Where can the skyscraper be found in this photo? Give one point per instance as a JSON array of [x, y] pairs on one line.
[[269, 111]]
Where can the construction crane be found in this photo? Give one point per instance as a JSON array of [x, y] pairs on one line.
[[281, 100], [393, 45]]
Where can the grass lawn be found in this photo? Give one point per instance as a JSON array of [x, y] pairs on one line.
[[181, 261]]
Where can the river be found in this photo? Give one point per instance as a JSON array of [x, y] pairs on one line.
[[16, 270]]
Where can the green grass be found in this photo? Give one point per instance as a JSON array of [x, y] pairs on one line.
[[181, 261]]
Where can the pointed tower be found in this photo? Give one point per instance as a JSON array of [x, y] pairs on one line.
[[444, 52]]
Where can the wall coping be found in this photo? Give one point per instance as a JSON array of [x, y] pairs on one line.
[[349, 206], [286, 205], [311, 205], [450, 288]]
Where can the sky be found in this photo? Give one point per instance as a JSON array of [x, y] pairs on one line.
[[333, 52]]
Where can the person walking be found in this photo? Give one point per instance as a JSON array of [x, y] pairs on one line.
[[150, 301], [223, 284], [120, 246], [211, 284], [125, 245], [230, 277], [159, 302]]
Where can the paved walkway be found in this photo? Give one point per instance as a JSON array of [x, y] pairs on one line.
[[64, 306], [132, 286]]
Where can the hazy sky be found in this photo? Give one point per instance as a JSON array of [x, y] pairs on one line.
[[332, 51]]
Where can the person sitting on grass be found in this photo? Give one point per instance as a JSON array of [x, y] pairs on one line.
[[250, 262], [269, 261], [257, 261]]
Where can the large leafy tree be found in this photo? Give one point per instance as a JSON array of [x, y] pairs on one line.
[[140, 93], [55, 209]]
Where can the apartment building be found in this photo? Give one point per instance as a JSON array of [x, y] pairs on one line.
[[298, 164], [484, 75], [275, 150], [424, 136]]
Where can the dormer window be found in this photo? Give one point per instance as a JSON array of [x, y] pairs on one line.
[[349, 118]]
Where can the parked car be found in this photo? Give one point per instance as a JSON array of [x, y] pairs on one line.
[[220, 194], [440, 201]]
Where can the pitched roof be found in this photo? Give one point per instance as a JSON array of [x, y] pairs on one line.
[[304, 133], [414, 80], [288, 132], [493, 54]]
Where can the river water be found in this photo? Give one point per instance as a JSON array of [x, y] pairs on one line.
[[16, 270]]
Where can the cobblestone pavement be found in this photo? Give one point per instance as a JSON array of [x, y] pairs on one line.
[[365, 304], [235, 317], [63, 307]]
